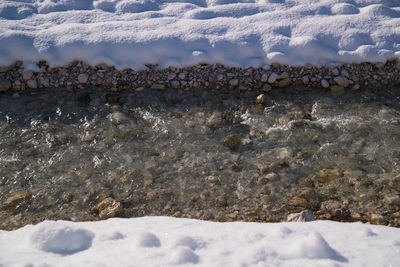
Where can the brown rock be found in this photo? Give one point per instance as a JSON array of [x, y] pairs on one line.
[[335, 208], [158, 86], [232, 141], [16, 199], [108, 208], [266, 88], [328, 175], [298, 202], [376, 218], [284, 83]]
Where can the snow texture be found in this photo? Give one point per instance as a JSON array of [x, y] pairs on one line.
[[131, 33], [164, 241]]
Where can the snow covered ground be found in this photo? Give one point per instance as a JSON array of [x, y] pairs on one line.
[[130, 33], [163, 241]]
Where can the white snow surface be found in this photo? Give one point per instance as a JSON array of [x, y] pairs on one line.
[[242, 33], [166, 241]]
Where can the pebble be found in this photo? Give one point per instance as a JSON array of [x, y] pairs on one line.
[[273, 77], [83, 78], [266, 88], [232, 141], [108, 208], [12, 202], [264, 78], [356, 87], [158, 86], [284, 83], [260, 99], [342, 81], [328, 175], [324, 83], [234, 82], [305, 79], [32, 84]]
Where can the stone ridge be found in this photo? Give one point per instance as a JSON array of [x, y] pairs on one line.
[[78, 74]]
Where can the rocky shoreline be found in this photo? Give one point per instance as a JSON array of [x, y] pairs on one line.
[[78, 74]]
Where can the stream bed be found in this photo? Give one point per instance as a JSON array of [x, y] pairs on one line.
[[202, 153]]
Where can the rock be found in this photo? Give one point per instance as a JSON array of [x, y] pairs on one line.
[[182, 75], [108, 208], [257, 109], [5, 85], [270, 177], [356, 87], [158, 86], [376, 218], [324, 84], [12, 202], [305, 79], [32, 84], [395, 183], [284, 75], [266, 88], [298, 202], [284, 83], [335, 209], [232, 141], [264, 78], [44, 82], [342, 81], [171, 76], [175, 84], [328, 175], [335, 72], [214, 120], [260, 99], [303, 216], [234, 82], [337, 90], [345, 73], [27, 75], [273, 77], [83, 78]]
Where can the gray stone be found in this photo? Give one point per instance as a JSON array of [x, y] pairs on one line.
[[32, 84], [4, 85], [264, 78], [324, 83], [303, 216], [171, 76], [83, 78], [305, 79], [234, 82], [158, 86], [342, 81], [273, 77], [335, 72], [284, 83]]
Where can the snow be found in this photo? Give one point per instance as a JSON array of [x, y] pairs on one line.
[[165, 241], [243, 33]]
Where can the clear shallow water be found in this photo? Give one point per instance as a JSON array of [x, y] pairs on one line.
[[166, 153]]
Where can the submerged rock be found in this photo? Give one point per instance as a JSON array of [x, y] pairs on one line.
[[12, 202], [108, 208], [328, 175]]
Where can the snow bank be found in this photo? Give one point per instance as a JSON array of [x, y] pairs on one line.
[[131, 33], [163, 241]]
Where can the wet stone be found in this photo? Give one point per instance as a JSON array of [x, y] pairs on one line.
[[328, 175], [32, 84], [232, 141], [83, 78], [108, 208], [12, 202]]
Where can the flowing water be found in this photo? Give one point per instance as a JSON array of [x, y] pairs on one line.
[[208, 154]]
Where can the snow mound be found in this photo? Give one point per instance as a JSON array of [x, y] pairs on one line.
[[243, 33], [163, 241], [60, 239]]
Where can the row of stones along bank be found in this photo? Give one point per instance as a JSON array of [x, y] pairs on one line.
[[78, 74]]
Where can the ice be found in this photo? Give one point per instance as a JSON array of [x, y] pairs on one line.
[[165, 241], [132, 33]]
